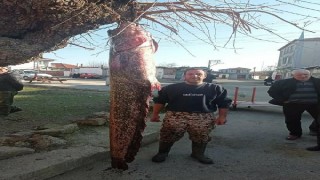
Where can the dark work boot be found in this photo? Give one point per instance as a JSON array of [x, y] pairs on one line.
[[313, 128], [317, 147], [15, 109], [198, 150], [6, 99], [313, 148], [4, 110], [164, 149]]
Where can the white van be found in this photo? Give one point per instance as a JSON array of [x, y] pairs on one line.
[[29, 74]]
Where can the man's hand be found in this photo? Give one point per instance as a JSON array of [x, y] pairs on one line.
[[221, 120], [222, 117], [155, 118], [156, 111]]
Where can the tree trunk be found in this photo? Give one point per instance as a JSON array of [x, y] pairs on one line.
[[29, 28]]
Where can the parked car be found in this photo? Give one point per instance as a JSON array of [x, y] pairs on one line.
[[29, 74], [90, 76], [268, 82]]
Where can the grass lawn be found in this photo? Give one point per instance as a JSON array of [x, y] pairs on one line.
[[53, 106]]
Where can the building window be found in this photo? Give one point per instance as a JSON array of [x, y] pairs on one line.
[[291, 48], [289, 62], [284, 61]]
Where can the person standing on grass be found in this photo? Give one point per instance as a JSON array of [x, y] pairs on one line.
[[9, 87], [190, 106]]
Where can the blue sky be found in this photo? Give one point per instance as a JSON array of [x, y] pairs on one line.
[[250, 53]]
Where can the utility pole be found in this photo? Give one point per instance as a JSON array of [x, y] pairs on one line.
[[213, 62]]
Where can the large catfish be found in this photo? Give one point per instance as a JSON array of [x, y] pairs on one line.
[[132, 79]]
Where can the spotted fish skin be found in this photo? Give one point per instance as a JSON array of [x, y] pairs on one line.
[[132, 79]]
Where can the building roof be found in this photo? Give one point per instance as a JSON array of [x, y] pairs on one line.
[[63, 66], [45, 59], [237, 68], [304, 40]]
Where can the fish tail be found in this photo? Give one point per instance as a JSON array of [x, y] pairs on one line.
[[118, 163]]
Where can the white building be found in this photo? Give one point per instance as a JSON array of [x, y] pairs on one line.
[[39, 64], [235, 73], [299, 53]]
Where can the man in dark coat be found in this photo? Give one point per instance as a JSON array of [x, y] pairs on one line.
[[209, 77], [9, 87], [296, 95]]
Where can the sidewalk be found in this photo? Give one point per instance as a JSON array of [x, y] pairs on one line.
[[87, 84], [88, 147]]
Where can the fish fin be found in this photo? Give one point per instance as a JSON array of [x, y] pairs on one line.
[[136, 142], [155, 44]]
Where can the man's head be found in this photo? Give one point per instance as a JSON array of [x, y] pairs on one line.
[[301, 74], [194, 76], [3, 70]]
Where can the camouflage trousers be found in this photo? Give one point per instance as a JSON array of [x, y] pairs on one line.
[[198, 126], [6, 101]]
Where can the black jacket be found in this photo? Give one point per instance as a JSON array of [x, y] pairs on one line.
[[281, 90], [9, 83], [182, 97], [209, 78]]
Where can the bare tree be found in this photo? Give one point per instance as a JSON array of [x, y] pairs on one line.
[[170, 65], [269, 68], [29, 28], [103, 64]]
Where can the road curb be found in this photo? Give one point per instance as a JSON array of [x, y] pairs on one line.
[[45, 165]]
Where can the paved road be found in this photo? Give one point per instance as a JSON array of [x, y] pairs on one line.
[[245, 93], [251, 146], [87, 84], [245, 87]]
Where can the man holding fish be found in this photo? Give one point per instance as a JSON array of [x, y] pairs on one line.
[[190, 106]]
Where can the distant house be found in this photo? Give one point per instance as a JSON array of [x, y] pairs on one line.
[[261, 74], [234, 73], [61, 69], [299, 53], [62, 66], [172, 73], [166, 72], [159, 72], [42, 63], [102, 71]]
